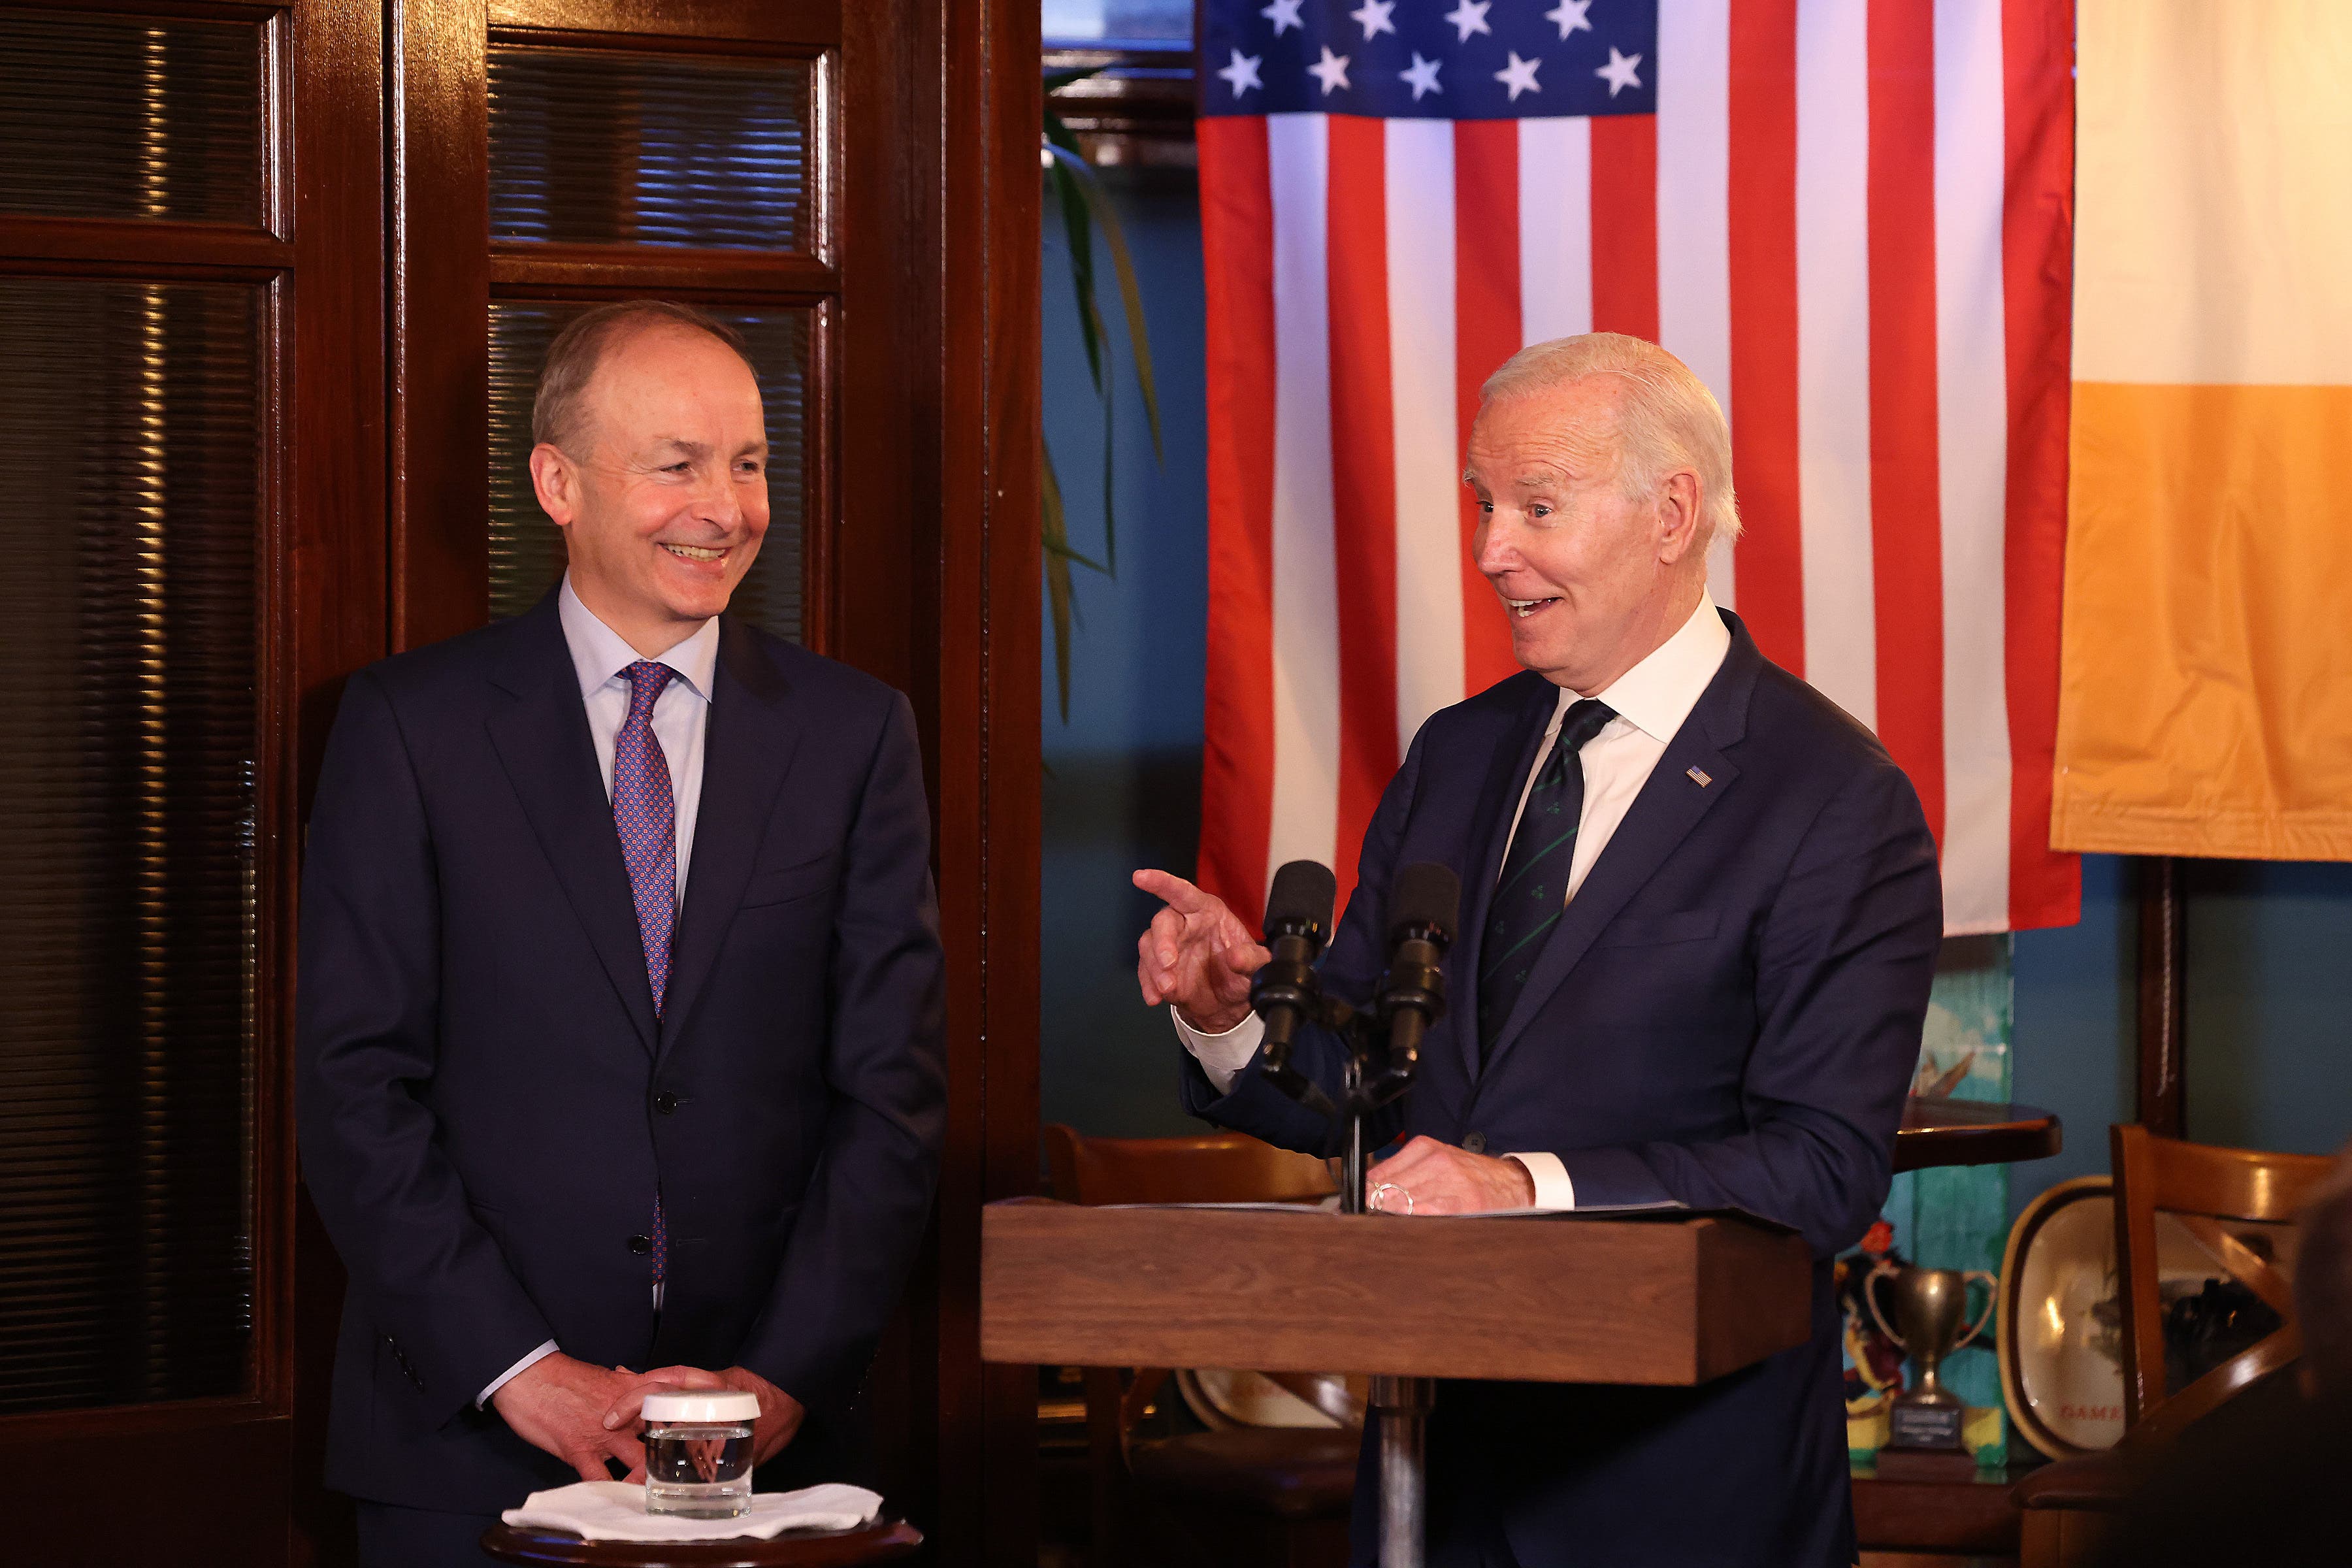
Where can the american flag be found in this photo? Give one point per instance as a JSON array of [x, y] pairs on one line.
[[1853, 218]]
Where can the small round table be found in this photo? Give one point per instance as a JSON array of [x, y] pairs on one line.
[[1939, 1132], [877, 1542]]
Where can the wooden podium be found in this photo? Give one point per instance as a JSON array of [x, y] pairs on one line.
[[1661, 1298]]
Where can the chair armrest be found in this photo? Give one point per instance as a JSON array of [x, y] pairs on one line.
[[2095, 1481]]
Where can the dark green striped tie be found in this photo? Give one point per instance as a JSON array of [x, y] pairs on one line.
[[1533, 893]]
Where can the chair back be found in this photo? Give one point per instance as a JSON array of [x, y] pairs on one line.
[[1219, 1168], [2201, 1187]]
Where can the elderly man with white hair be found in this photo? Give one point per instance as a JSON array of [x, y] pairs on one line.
[[1700, 915]]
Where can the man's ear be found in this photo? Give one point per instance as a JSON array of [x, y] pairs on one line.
[[556, 482], [1677, 516]]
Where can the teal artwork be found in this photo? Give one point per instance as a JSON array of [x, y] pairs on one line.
[[1957, 1217]]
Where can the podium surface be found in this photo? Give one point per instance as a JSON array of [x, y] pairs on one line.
[[1656, 1298]]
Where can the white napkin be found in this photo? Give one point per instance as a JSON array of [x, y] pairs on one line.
[[615, 1511]]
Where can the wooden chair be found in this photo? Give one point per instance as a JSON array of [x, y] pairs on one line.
[[1271, 1495], [2069, 1504]]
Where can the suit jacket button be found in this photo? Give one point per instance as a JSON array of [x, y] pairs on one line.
[[666, 1102], [641, 1244], [1476, 1142]]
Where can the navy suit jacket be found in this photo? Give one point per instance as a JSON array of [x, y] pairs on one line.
[[1728, 1014], [488, 1102]]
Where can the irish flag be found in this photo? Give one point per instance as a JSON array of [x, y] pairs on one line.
[[2205, 702]]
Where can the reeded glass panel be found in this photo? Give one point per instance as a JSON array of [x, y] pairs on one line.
[[595, 146], [131, 433], [527, 552], [129, 117]]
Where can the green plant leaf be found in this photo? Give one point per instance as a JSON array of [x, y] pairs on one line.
[[1080, 176], [1110, 485], [1130, 296], [1084, 205], [1055, 530], [1079, 233]]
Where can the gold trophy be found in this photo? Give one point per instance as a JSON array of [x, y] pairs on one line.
[[1930, 1305]]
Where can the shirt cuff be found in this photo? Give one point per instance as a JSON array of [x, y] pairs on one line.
[[1221, 1056], [528, 1361], [1553, 1189]]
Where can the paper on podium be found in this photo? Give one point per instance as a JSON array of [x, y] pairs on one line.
[[1331, 1205]]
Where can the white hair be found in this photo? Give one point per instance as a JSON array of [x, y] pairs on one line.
[[1666, 420]]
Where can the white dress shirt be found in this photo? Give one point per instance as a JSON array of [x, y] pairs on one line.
[[1652, 700], [681, 718]]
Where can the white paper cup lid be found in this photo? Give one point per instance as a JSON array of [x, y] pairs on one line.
[[727, 1406]]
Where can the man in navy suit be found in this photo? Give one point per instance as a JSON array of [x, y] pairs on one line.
[[620, 999], [1701, 913]]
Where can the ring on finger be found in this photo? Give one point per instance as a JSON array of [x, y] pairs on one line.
[[1389, 1187]]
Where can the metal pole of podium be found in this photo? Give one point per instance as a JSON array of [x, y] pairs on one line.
[[1400, 1405]]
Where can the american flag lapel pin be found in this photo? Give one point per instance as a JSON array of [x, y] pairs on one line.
[[1703, 780]]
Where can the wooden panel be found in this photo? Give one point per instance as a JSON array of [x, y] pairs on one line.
[[2163, 1075], [320, 595], [990, 115], [1974, 1516], [330, 571], [815, 22], [183, 245], [1672, 1301], [620, 269], [872, 592], [218, 1496], [440, 322], [1940, 1131]]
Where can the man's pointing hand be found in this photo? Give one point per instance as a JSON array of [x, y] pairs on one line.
[[1196, 955]]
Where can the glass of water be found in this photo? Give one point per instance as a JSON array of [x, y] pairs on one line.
[[698, 1453]]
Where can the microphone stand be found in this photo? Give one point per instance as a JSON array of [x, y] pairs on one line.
[[1377, 1072], [1373, 1078], [1383, 1052]]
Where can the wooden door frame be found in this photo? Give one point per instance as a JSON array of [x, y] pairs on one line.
[[320, 598], [2163, 1068], [930, 451], [991, 713]]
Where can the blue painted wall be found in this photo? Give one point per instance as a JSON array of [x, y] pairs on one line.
[[2270, 973], [1122, 787], [2074, 1043]]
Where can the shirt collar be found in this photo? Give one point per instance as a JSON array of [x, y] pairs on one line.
[[598, 653], [1657, 695]]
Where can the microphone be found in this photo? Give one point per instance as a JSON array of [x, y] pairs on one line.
[[1423, 907], [1285, 992]]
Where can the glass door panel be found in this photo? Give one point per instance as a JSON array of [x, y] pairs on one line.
[[622, 147], [131, 418], [526, 551]]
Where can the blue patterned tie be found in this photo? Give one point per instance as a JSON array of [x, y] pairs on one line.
[[1533, 893], [647, 816]]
